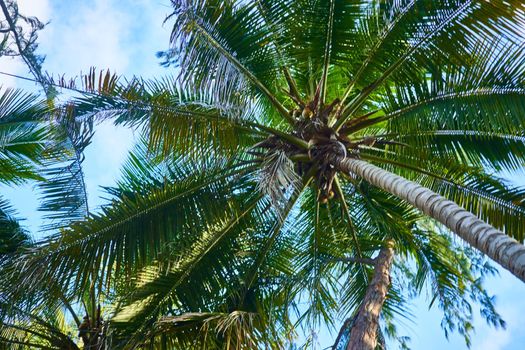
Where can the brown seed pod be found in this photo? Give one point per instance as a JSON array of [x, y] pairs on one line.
[[307, 113]]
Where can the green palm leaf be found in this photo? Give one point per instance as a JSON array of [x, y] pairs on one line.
[[211, 239]]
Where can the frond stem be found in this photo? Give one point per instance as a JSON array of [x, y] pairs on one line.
[[373, 51], [251, 77], [358, 101], [286, 71], [346, 211], [327, 53]]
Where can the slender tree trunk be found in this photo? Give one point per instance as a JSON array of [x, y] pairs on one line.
[[503, 249], [363, 334]]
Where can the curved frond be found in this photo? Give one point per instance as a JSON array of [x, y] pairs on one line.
[[208, 261], [226, 39], [177, 119], [12, 236]]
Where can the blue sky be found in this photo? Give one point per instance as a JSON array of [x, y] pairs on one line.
[[124, 36]]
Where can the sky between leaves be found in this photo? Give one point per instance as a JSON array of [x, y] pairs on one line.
[[123, 35]]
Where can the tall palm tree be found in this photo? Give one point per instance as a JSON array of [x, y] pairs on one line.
[[195, 257], [414, 86], [266, 144]]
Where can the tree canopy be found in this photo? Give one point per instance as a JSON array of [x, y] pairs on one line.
[[235, 223]]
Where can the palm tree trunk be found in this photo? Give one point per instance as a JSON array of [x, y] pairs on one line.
[[363, 334], [503, 249]]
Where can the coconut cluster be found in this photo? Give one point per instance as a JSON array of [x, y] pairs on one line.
[[312, 123]]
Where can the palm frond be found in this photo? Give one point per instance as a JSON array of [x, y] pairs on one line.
[[277, 178], [23, 136], [492, 151], [63, 192], [233, 330], [20, 329], [176, 119], [233, 48], [208, 261], [428, 42], [12, 236], [484, 96], [115, 238]]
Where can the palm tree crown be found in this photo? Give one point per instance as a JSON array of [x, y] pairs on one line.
[[253, 192]]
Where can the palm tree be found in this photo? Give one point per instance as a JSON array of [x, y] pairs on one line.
[[217, 259], [35, 147], [256, 184], [43, 145], [47, 146], [376, 82]]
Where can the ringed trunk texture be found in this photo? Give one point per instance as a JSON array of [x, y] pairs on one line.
[[363, 334], [503, 249]]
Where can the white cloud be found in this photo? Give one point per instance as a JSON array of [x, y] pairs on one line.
[[37, 8], [495, 340], [99, 33], [104, 34], [89, 34], [488, 338]]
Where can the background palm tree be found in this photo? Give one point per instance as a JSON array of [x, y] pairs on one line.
[[40, 141], [251, 196], [29, 151], [43, 145]]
